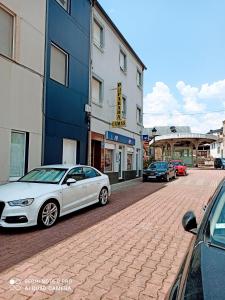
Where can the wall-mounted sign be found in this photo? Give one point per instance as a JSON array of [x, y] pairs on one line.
[[119, 122], [112, 136], [145, 137]]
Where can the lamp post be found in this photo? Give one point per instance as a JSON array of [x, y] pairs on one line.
[[154, 130]]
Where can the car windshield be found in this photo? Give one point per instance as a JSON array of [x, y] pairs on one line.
[[158, 165], [177, 163], [44, 175], [217, 223]]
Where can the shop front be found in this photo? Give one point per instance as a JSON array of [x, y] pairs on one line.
[[120, 161]]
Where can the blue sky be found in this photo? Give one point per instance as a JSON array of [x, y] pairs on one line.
[[183, 45]]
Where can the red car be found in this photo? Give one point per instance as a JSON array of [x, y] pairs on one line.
[[180, 167]]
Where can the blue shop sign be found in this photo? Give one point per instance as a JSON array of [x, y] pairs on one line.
[[145, 137], [119, 138]]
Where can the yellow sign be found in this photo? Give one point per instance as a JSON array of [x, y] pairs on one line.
[[119, 102], [119, 123]]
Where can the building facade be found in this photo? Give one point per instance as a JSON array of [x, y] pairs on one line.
[[216, 148], [66, 93], [22, 39], [115, 151]]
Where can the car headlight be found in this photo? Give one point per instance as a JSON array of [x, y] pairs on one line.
[[21, 202]]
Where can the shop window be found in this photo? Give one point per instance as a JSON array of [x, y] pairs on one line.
[[6, 33], [129, 161], [108, 160], [17, 154]]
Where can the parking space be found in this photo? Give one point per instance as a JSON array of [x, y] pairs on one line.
[[130, 249]]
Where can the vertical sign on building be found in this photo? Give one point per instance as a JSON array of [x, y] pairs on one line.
[[119, 122]]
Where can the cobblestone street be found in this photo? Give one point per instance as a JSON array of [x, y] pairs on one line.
[[132, 253]]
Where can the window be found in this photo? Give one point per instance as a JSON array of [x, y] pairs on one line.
[[139, 117], [17, 154], [64, 4], [98, 34], [124, 108], [59, 65], [108, 160], [76, 173], [139, 79], [89, 173], [129, 161], [6, 33], [123, 61], [96, 90]]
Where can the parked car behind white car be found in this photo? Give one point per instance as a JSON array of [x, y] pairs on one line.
[[49, 192]]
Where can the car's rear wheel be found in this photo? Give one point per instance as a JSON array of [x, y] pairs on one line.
[[103, 196], [48, 214]]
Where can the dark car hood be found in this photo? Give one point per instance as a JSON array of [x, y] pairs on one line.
[[155, 170], [206, 278]]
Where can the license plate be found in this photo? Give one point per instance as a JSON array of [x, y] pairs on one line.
[[151, 177]]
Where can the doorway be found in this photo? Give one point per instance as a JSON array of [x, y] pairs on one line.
[[120, 161], [69, 151], [96, 154]]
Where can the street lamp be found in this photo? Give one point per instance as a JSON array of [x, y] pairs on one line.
[[154, 130]]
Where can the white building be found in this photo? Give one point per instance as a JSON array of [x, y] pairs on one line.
[[22, 39], [216, 148], [116, 151]]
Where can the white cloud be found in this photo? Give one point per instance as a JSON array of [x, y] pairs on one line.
[[190, 97], [214, 91], [160, 99], [161, 108]]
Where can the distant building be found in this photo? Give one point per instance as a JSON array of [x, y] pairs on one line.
[[180, 144], [216, 148]]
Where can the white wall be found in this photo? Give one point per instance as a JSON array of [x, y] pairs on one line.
[[105, 64], [21, 81]]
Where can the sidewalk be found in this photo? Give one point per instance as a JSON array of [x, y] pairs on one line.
[[134, 254]]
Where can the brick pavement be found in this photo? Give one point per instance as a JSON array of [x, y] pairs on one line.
[[134, 254]]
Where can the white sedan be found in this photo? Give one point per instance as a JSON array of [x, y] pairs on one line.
[[49, 192]]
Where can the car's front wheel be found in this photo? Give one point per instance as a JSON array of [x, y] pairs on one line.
[[48, 214], [103, 196]]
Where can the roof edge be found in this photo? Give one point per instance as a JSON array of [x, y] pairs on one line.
[[98, 5]]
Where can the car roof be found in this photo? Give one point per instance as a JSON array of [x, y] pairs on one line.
[[63, 166]]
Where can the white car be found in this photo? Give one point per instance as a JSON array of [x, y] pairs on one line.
[[49, 192]]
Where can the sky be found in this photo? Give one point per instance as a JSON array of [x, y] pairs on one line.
[[182, 43]]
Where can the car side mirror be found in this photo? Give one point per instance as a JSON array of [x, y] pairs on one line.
[[189, 222], [70, 181]]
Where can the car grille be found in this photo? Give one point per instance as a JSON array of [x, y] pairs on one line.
[[2, 205]]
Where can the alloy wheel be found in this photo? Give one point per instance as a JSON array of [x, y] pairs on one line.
[[103, 196], [49, 214]]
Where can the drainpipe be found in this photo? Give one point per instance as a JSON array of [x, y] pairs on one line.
[[44, 83], [90, 87]]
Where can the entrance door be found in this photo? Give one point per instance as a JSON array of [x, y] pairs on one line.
[[120, 160], [96, 154], [137, 163], [69, 151]]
